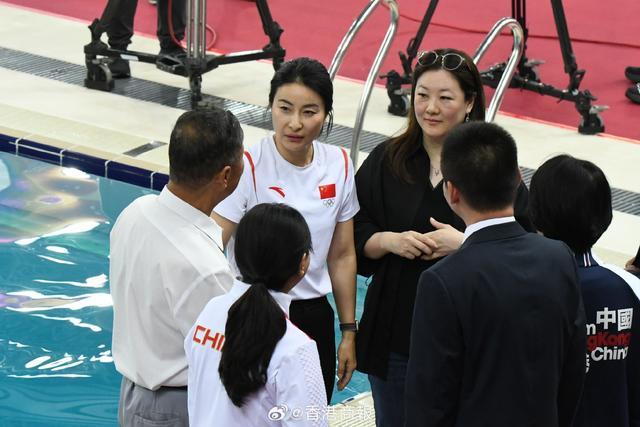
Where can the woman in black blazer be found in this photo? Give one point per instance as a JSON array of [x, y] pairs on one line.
[[405, 225]]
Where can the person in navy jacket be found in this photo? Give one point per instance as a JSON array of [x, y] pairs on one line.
[[498, 333], [571, 201]]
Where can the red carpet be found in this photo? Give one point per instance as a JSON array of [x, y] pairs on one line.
[[606, 38]]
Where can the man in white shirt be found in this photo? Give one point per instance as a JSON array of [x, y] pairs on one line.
[[498, 333], [167, 262]]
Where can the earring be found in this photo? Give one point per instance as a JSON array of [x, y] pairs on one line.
[[466, 118]]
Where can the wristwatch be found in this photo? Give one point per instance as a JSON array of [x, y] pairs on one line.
[[350, 327]]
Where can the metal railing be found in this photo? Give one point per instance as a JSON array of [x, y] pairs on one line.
[[375, 68], [196, 29], [510, 69]]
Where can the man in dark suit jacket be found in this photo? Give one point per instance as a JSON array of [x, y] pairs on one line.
[[498, 335]]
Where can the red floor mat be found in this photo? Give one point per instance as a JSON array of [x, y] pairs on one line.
[[605, 40]]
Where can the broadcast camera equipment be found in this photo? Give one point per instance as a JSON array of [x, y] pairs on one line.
[[196, 62], [526, 78]]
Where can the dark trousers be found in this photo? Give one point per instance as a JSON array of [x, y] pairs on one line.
[[118, 16], [315, 318], [388, 395]]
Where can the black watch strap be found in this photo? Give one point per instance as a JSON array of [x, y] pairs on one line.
[[350, 327]]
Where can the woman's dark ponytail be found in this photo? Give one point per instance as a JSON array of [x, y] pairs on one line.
[[255, 325], [271, 240]]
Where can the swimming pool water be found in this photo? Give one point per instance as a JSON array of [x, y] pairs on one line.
[[56, 313]]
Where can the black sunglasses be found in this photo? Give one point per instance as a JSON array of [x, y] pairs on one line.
[[449, 61]]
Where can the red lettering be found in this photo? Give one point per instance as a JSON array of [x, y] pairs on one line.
[[217, 340], [214, 339], [591, 342], [625, 339], [603, 339], [195, 333]]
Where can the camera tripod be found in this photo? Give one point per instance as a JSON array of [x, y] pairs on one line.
[[196, 62], [526, 78]]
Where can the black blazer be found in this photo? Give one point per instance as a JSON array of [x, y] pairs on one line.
[[498, 336]]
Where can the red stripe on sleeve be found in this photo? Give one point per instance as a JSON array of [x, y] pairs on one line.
[[346, 163], [253, 170]]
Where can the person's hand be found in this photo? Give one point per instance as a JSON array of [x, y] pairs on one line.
[[445, 238], [409, 244], [629, 266], [346, 358]]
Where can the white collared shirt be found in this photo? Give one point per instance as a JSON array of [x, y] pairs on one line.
[[485, 223], [293, 395], [166, 264], [323, 192]]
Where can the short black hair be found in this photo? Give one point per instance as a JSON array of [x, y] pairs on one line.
[[570, 200], [202, 143], [481, 159]]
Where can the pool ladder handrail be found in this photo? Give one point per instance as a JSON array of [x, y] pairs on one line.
[[510, 69], [375, 68]]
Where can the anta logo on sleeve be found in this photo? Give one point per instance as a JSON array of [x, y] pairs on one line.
[[278, 190], [327, 194]]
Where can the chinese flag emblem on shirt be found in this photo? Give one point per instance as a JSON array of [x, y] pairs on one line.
[[327, 191]]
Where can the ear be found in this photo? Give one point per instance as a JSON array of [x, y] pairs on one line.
[[470, 104], [223, 176], [304, 264], [452, 193]]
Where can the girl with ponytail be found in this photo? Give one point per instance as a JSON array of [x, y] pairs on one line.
[[248, 364]]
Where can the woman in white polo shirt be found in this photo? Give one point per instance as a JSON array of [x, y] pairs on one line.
[[317, 179], [248, 364]]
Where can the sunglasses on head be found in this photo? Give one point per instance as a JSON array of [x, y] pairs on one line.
[[449, 61]]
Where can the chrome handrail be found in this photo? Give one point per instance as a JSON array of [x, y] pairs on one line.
[[510, 69], [375, 68]]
